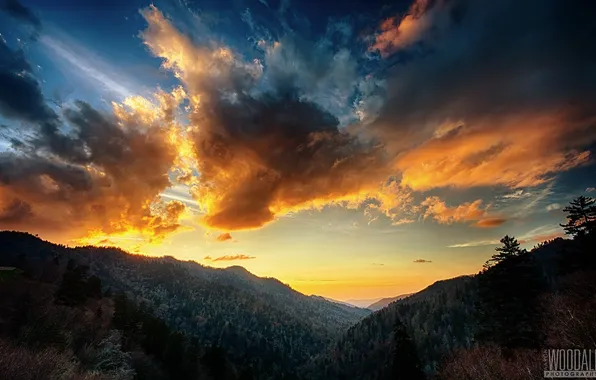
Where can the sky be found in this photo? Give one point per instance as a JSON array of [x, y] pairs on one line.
[[354, 150]]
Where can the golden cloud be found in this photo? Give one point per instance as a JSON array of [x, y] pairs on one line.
[[439, 211], [112, 189], [399, 33], [231, 258], [263, 156], [493, 152], [224, 237]]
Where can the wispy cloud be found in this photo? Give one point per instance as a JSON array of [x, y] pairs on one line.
[[74, 58], [478, 243], [422, 261], [230, 258]]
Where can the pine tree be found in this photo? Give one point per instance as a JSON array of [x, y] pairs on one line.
[[581, 216], [405, 363], [510, 248]]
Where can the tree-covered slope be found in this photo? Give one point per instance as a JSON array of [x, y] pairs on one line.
[[259, 322]]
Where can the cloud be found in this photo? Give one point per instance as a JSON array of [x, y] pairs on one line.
[[490, 222], [553, 207], [260, 153], [478, 243], [422, 261], [20, 12], [466, 95], [69, 54], [230, 258], [500, 89], [590, 190], [224, 237], [542, 233], [517, 194], [397, 33], [439, 211], [85, 174], [207, 258]]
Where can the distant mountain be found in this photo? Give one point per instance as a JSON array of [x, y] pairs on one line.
[[260, 322], [364, 303], [383, 302], [346, 304]]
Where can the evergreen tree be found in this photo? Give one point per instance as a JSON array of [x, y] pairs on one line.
[[581, 216], [405, 363], [93, 287], [73, 288], [510, 247], [508, 298]]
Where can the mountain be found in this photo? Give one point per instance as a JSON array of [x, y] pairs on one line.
[[383, 302], [346, 304], [363, 303], [260, 322], [439, 319]]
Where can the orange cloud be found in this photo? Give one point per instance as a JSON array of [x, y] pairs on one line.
[[231, 258], [439, 211], [499, 151], [396, 34], [490, 222], [224, 237], [110, 190], [295, 156]]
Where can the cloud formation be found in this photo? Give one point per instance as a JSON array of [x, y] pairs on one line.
[[483, 102], [397, 33], [490, 222], [230, 258], [20, 12], [224, 237], [84, 172], [422, 261], [260, 153], [465, 95]]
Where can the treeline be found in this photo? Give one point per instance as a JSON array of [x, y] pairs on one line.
[[66, 328], [108, 315], [493, 325], [531, 300], [264, 327]]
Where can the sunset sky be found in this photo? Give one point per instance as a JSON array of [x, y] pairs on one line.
[[349, 149]]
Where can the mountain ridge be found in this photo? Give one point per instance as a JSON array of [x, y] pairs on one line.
[[260, 322]]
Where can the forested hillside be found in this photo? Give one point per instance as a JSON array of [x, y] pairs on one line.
[[438, 319], [260, 322], [97, 313], [489, 326], [384, 302]]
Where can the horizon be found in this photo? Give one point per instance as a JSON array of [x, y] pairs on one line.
[[352, 152]]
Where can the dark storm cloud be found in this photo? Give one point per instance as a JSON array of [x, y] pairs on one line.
[[20, 94], [104, 175], [20, 12], [500, 87], [504, 56], [262, 151]]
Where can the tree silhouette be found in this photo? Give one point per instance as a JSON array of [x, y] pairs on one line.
[[405, 363], [581, 216], [510, 248]]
